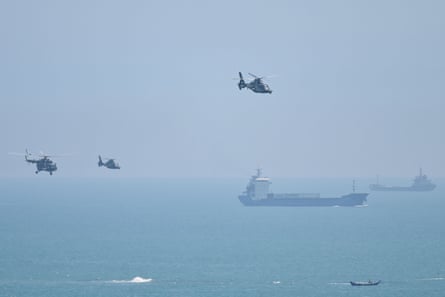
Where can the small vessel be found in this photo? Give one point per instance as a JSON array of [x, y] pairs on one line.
[[368, 283], [421, 183], [257, 194]]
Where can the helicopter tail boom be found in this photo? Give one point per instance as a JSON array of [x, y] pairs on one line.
[[28, 154], [100, 163]]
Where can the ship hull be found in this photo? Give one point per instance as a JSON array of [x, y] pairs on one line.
[[353, 199], [401, 189], [365, 283]]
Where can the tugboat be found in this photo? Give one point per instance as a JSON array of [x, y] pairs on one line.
[[421, 183], [257, 194]]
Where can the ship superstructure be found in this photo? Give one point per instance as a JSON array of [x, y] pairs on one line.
[[257, 194], [421, 183]]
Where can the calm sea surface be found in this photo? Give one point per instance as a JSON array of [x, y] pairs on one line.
[[192, 238]]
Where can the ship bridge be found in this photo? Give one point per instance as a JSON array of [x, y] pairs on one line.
[[260, 188]]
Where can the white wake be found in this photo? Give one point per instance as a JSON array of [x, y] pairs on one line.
[[433, 279], [134, 280]]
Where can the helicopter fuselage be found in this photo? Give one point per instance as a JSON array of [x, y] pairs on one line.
[[258, 86], [44, 164], [110, 164]]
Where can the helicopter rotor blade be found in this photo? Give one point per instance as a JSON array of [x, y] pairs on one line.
[[42, 155], [262, 77], [269, 76], [17, 154]]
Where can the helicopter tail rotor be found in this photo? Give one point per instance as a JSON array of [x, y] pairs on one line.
[[242, 83], [100, 163]]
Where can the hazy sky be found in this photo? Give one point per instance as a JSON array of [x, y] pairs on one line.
[[359, 87]]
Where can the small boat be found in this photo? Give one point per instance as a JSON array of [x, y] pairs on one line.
[[368, 283]]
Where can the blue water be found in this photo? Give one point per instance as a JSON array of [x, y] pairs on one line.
[[66, 237]]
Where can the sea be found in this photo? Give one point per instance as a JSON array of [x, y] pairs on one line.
[[193, 238]]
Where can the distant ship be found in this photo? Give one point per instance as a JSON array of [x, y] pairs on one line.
[[421, 183], [257, 194], [368, 283]]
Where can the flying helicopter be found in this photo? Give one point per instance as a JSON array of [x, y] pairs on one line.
[[43, 163], [257, 85], [110, 163]]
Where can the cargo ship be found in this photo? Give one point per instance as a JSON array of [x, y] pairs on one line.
[[257, 194], [421, 183]]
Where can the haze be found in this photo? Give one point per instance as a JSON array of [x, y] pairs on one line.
[[359, 87]]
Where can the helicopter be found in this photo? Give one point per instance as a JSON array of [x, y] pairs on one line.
[[44, 163], [110, 163], [257, 85]]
